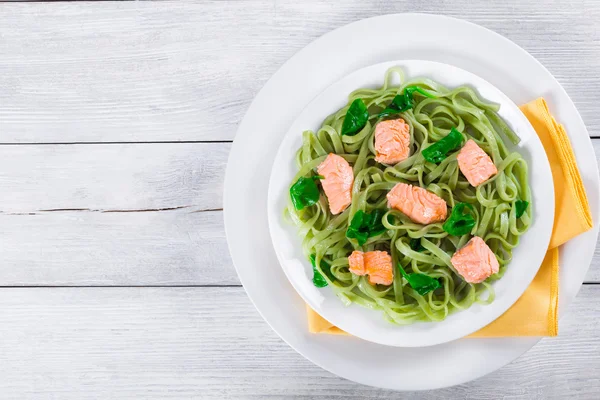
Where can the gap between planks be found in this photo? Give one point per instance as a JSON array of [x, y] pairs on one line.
[[152, 286], [191, 209], [592, 136], [116, 286], [113, 142]]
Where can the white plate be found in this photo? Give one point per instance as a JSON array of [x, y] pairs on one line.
[[279, 103], [370, 324]]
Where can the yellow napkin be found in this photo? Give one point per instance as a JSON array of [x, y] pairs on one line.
[[535, 313]]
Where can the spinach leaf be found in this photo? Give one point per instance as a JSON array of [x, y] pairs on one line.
[[440, 149], [520, 207], [365, 225], [405, 101], [460, 222], [421, 283], [304, 192], [356, 118], [415, 245], [318, 279], [400, 103]]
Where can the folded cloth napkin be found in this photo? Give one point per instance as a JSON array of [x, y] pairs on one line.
[[536, 311]]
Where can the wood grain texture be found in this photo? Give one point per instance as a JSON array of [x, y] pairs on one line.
[[210, 343], [179, 247], [108, 177], [172, 71]]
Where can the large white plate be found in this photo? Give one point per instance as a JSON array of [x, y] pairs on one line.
[[369, 324], [298, 81]]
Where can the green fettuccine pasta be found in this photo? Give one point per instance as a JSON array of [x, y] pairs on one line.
[[492, 204]]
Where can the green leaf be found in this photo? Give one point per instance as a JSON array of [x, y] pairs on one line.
[[400, 103], [415, 245], [440, 149], [356, 118], [461, 221], [365, 225], [318, 279], [520, 207], [404, 101], [305, 193], [421, 283]]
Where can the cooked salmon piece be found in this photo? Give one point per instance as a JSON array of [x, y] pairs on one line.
[[392, 141], [337, 182], [475, 262], [357, 263], [418, 204], [475, 164], [376, 264], [379, 267]]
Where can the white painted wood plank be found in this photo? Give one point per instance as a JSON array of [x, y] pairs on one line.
[[593, 274], [112, 176], [137, 71], [96, 247], [210, 343], [105, 177], [178, 247]]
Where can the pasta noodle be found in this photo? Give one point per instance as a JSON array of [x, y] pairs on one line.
[[430, 119]]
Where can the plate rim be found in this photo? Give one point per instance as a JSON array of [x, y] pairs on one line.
[[274, 218], [513, 347]]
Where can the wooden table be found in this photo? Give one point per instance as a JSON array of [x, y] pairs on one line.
[[116, 119]]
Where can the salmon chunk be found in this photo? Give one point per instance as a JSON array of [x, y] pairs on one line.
[[376, 264], [475, 164], [418, 204], [357, 263], [379, 267], [337, 182], [475, 262], [392, 141]]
